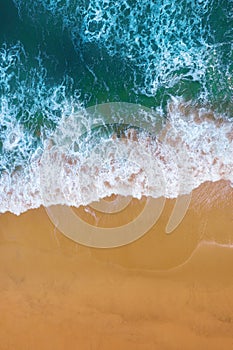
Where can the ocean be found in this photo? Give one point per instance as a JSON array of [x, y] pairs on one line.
[[101, 97]]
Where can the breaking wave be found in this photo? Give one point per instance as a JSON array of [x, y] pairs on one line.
[[77, 167]]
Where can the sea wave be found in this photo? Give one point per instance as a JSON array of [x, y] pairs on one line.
[[193, 146]]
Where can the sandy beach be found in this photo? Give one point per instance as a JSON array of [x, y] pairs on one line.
[[160, 292]]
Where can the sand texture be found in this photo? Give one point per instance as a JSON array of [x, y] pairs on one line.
[[162, 291]]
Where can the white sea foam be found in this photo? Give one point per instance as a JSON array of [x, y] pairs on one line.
[[193, 147], [164, 41], [167, 45], [25, 97]]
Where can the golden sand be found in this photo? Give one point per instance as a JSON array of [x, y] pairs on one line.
[[160, 292]]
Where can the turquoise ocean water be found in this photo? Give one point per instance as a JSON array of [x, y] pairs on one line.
[[60, 57]]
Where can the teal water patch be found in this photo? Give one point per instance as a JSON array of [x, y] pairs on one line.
[[163, 47]]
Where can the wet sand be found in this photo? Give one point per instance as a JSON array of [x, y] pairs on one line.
[[160, 292]]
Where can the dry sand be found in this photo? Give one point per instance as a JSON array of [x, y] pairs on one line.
[[160, 292]]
